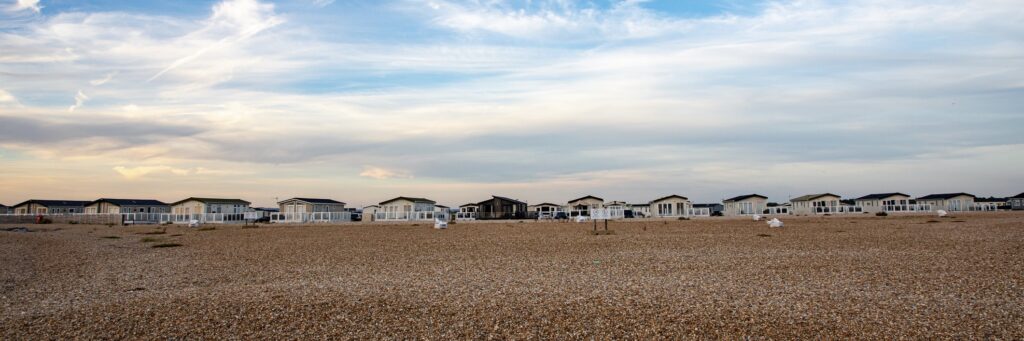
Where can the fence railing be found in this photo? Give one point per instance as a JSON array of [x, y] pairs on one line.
[[907, 208], [410, 215], [838, 209], [465, 216], [776, 210], [310, 217]]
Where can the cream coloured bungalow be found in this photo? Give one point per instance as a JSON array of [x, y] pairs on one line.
[[816, 204], [671, 206], [583, 206], [369, 213], [108, 206], [749, 204], [37, 207], [885, 202], [195, 205], [310, 205], [952, 202], [1016, 202], [467, 212], [406, 209], [545, 210]]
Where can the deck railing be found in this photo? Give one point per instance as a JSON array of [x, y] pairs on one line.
[[907, 208], [844, 209], [776, 210], [310, 217]]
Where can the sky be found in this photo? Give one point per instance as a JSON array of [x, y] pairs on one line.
[[540, 100]]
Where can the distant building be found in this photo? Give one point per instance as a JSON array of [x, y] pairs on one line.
[[108, 206], [952, 202], [498, 207], [37, 206], [708, 209], [640, 210], [4, 209], [816, 204], [749, 204], [195, 205], [885, 202], [670, 207], [583, 206], [406, 208], [545, 210], [370, 213], [1017, 202], [310, 205]]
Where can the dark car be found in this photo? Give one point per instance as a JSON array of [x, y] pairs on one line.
[[561, 216], [628, 214]]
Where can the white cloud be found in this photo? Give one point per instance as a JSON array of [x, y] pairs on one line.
[[322, 3], [384, 174], [134, 173], [104, 80], [7, 97], [80, 99], [234, 21], [21, 5]]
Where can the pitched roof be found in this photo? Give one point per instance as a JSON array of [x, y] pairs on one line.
[[641, 205], [1018, 196], [546, 204], [501, 198], [410, 199], [881, 196], [812, 197], [670, 196], [706, 205], [314, 201], [130, 202], [990, 199], [469, 204], [589, 196], [55, 203], [744, 197], [213, 201], [944, 196]]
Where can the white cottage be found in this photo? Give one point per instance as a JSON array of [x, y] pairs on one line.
[[886, 202], [583, 206], [749, 204], [952, 202], [671, 206], [406, 209]]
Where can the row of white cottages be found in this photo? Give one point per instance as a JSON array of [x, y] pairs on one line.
[[498, 207]]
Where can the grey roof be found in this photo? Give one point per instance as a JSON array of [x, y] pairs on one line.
[[130, 202], [990, 199], [880, 196], [670, 196], [501, 198], [469, 204], [744, 197], [213, 200], [314, 201], [413, 199], [55, 203], [944, 196], [588, 196], [707, 205], [811, 197], [546, 204], [1018, 196]]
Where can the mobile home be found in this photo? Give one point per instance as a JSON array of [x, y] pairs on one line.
[[40, 207], [749, 204], [111, 206], [952, 202], [498, 207], [406, 209], [671, 206], [583, 206]]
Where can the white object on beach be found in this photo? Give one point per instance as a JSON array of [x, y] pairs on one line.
[[757, 217], [440, 224], [193, 223], [581, 218], [775, 222], [942, 213]]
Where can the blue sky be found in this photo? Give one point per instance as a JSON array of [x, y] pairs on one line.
[[542, 100]]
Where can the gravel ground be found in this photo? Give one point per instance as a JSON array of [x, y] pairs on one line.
[[918, 277]]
